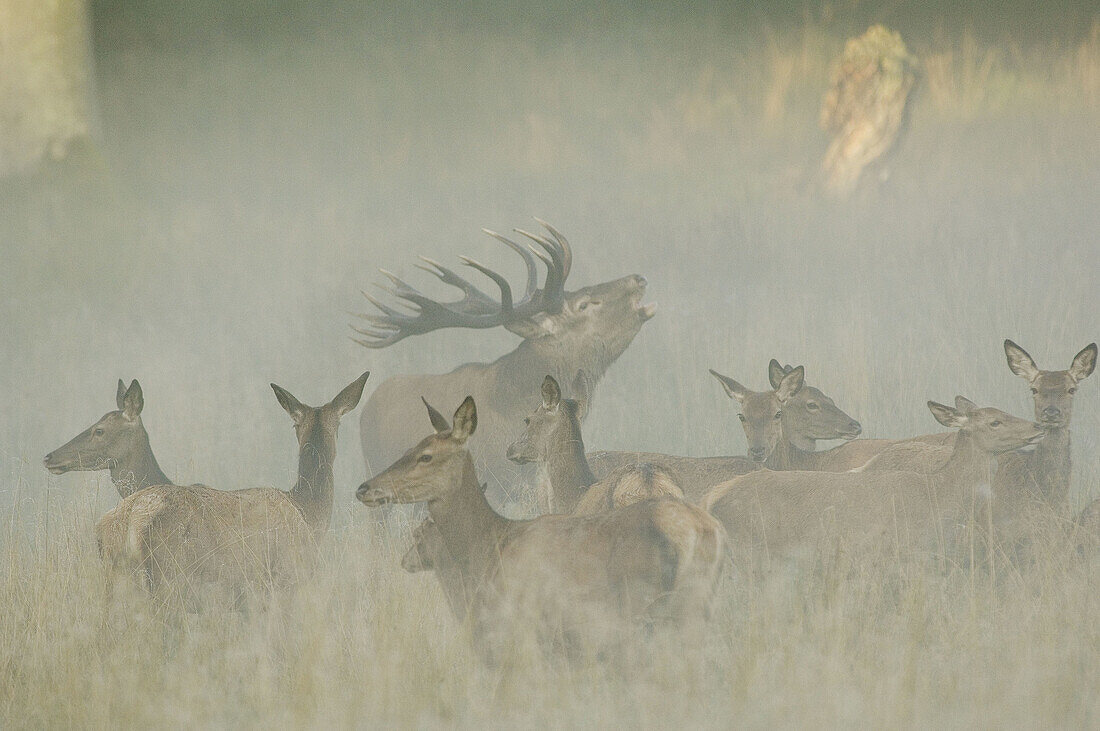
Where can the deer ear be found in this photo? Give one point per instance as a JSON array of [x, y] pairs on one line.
[[791, 384], [465, 421], [551, 393], [439, 422], [949, 417], [732, 388], [132, 401], [1020, 362], [775, 373], [119, 393], [529, 329], [965, 405], [1084, 363], [291, 405], [348, 398]]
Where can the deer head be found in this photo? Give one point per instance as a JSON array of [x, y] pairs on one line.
[[992, 430], [112, 439], [554, 427], [811, 415], [1052, 391], [611, 311], [431, 469], [761, 411]]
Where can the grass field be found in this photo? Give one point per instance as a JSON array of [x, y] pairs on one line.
[[251, 174]]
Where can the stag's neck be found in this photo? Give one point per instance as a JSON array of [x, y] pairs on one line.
[[138, 469], [568, 473], [312, 493], [549, 355], [471, 529]]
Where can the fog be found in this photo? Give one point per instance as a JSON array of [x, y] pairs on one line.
[[252, 170]]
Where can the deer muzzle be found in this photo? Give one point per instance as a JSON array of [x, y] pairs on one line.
[[373, 497]]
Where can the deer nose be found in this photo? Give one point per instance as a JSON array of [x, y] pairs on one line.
[[47, 458], [1051, 413], [757, 454], [640, 280], [855, 427]]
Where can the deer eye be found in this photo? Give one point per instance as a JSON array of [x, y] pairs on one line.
[[582, 306], [813, 407], [994, 424], [527, 421], [778, 414], [98, 431], [741, 417], [1072, 390], [425, 458], [1034, 390]]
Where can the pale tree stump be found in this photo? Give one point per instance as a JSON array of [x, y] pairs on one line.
[[45, 81], [864, 108]]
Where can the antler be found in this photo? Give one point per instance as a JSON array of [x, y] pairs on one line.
[[476, 309]]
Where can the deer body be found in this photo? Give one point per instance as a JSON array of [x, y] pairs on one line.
[[791, 513], [781, 427], [577, 583], [562, 331], [183, 538], [1038, 479]]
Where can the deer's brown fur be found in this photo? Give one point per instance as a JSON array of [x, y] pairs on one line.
[[181, 539], [579, 584]]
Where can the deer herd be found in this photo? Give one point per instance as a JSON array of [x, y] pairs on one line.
[[627, 543]]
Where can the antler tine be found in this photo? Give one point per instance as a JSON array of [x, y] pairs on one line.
[[380, 339], [567, 252], [532, 268], [412, 312], [505, 288], [448, 276], [554, 289], [378, 303]]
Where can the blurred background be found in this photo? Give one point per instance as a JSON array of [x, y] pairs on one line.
[[238, 170]]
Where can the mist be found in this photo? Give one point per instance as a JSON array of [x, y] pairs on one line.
[[252, 167]]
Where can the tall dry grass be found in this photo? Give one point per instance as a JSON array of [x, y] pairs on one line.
[[256, 186]]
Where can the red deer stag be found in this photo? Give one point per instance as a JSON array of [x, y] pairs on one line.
[[562, 331]]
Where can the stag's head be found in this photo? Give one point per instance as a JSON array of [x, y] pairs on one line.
[[1052, 391], [605, 317], [111, 439], [432, 469], [992, 430], [811, 415], [555, 424], [761, 412]]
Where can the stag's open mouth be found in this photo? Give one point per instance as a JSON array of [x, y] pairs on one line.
[[645, 311]]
